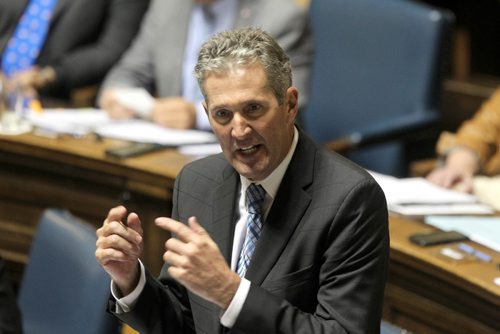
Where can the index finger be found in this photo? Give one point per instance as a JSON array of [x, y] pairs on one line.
[[181, 231], [116, 214]]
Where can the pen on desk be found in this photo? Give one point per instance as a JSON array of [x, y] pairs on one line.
[[476, 253]]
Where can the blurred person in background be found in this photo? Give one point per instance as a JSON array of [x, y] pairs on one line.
[[162, 58], [50, 47], [473, 149]]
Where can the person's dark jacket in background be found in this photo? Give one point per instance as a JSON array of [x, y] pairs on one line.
[[85, 38]]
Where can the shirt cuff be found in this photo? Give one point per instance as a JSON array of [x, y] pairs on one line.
[[202, 122], [233, 311], [127, 303]]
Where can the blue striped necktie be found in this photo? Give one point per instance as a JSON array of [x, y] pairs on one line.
[[28, 38], [254, 199]]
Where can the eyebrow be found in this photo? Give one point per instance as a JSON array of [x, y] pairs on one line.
[[239, 105]]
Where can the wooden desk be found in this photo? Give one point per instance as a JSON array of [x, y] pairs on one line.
[[38, 172], [424, 294]]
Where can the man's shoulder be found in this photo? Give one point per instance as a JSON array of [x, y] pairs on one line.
[[208, 168], [335, 168]]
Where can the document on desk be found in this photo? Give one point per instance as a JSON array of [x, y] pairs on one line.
[[78, 122], [482, 229], [418, 197], [146, 132]]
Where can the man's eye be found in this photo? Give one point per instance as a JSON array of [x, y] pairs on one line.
[[253, 108], [222, 114]]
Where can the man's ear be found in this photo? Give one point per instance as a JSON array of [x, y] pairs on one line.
[[292, 101]]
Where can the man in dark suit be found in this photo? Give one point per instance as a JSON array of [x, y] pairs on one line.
[[319, 263], [84, 39]]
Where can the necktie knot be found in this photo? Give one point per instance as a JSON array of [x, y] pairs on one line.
[[255, 198]]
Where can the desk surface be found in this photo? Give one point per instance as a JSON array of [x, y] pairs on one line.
[[468, 273], [89, 152], [434, 294], [425, 293]]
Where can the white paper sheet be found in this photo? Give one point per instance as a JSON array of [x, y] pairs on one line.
[[68, 121], [200, 149], [79, 122], [147, 132], [419, 197]]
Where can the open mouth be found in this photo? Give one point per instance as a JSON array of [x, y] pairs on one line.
[[249, 150]]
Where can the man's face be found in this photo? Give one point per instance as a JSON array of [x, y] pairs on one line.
[[254, 131]]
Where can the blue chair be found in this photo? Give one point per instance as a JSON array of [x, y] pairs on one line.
[[376, 77], [63, 289]]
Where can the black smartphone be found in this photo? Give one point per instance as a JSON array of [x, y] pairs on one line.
[[132, 150], [435, 238]]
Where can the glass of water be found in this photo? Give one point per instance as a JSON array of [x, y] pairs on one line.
[[12, 110]]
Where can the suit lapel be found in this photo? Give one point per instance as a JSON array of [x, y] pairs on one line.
[[8, 25], [20, 6], [60, 5], [291, 202], [221, 228], [225, 212]]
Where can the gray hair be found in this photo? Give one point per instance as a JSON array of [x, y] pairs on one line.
[[243, 47]]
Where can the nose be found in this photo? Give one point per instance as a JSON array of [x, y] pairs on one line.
[[240, 126]]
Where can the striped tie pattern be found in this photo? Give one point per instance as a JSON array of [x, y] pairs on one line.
[[27, 40], [254, 199]]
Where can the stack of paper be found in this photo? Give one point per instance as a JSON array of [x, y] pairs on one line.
[[79, 122], [418, 197], [147, 132]]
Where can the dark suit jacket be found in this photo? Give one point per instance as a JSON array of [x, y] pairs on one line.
[[85, 38], [319, 265]]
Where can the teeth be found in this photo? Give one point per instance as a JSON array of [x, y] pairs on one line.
[[248, 150]]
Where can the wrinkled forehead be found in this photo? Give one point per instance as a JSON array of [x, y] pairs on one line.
[[249, 72], [241, 82], [229, 69]]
